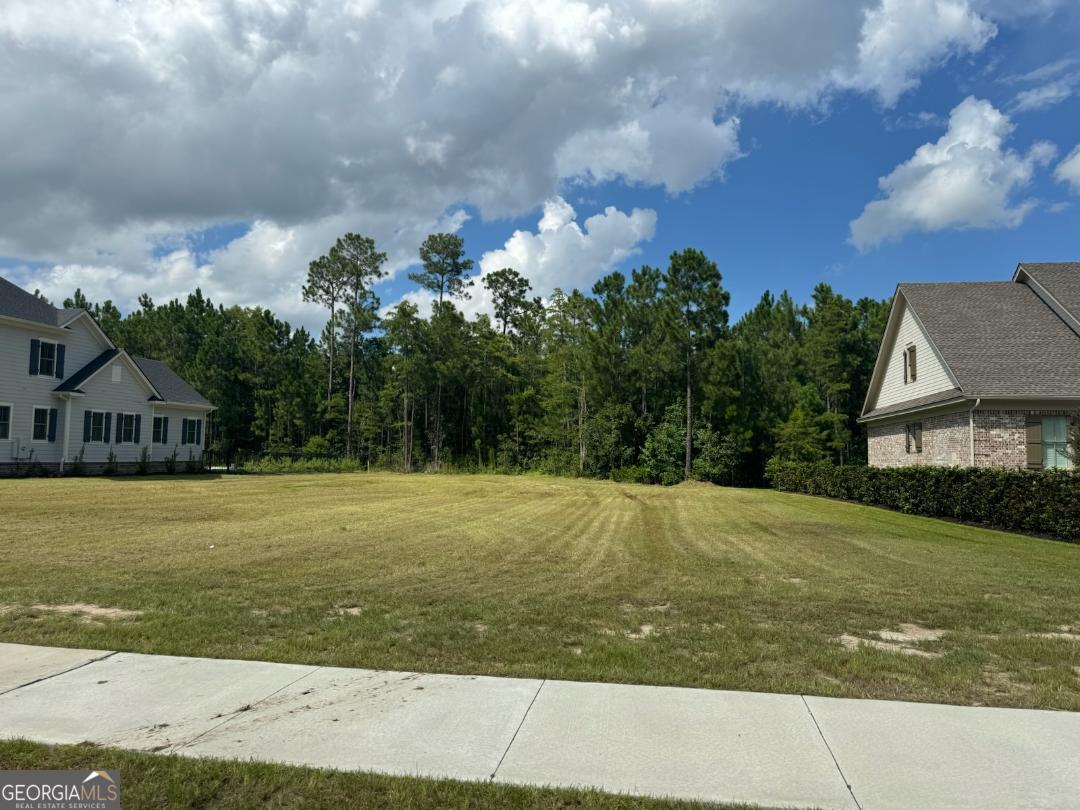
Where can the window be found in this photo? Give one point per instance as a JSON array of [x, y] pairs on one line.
[[191, 431], [97, 426], [5, 421], [41, 425], [126, 428], [909, 365], [914, 437], [161, 430], [47, 359], [1055, 442]]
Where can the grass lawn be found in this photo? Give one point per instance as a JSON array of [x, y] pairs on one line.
[[153, 780], [692, 585]]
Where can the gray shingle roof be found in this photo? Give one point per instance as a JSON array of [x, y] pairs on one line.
[[171, 386], [15, 302], [1061, 280], [998, 338], [73, 382]]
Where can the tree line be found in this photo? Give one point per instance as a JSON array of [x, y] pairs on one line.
[[643, 378]]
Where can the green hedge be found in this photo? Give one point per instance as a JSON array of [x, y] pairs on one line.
[[1045, 503]]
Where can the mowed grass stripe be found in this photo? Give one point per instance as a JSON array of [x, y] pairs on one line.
[[691, 585]]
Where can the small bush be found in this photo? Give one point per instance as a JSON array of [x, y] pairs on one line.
[[1045, 502], [110, 463], [142, 466], [634, 474], [78, 467], [192, 466], [170, 462]]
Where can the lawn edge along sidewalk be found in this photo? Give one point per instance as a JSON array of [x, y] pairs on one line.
[[767, 749]]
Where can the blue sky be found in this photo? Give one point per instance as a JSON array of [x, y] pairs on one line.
[[589, 137]]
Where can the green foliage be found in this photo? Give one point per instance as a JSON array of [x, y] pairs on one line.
[[1046, 502], [192, 465], [170, 462], [110, 463], [664, 449], [577, 384], [78, 467], [142, 466], [301, 465], [445, 266], [317, 447]]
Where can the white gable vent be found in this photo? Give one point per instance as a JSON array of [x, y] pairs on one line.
[[116, 373]]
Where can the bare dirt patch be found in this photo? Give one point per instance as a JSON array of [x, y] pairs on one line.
[[644, 631], [348, 610], [83, 611], [909, 633], [897, 641], [1066, 631]]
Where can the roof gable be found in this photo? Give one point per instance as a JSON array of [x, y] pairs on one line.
[[998, 338], [172, 388], [1057, 284]]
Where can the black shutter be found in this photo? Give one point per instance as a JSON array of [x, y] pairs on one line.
[[35, 353], [138, 424], [918, 437], [164, 430], [60, 350], [198, 432], [183, 431], [86, 425], [119, 428], [52, 424], [106, 430]]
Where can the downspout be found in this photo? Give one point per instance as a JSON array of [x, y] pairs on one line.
[[971, 422], [67, 426]]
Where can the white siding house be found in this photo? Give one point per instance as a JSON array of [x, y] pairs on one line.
[[70, 400]]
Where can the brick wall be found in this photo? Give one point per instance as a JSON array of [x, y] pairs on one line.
[[1000, 439], [946, 442], [1001, 436]]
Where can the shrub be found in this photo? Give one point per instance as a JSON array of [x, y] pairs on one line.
[[635, 474], [317, 447], [302, 465], [142, 466], [110, 463], [1044, 502], [170, 462], [78, 467], [192, 466]]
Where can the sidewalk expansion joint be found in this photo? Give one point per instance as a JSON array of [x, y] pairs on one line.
[[517, 730], [61, 672], [828, 748], [232, 716]]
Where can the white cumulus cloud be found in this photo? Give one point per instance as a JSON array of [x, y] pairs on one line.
[[1068, 171], [134, 123], [965, 179], [559, 253]]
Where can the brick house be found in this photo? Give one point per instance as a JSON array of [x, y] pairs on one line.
[[983, 374]]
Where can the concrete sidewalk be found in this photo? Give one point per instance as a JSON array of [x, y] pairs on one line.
[[772, 750]]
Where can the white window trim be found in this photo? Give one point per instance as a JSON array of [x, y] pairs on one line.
[[154, 429], [104, 439], [122, 415], [56, 351], [193, 426], [33, 415], [11, 420]]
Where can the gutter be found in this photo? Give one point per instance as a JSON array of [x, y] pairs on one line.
[[971, 422]]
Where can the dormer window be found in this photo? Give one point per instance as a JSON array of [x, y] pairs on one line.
[[909, 365]]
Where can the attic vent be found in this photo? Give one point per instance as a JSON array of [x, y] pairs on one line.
[[116, 373]]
